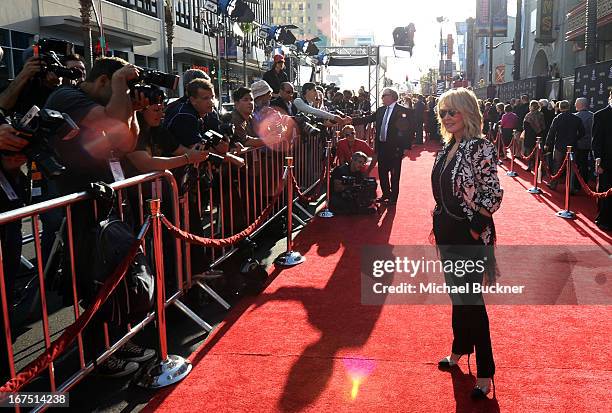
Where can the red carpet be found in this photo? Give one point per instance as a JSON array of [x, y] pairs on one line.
[[303, 344]]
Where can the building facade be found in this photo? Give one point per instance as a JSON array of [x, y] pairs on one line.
[[357, 40], [314, 18], [135, 31]]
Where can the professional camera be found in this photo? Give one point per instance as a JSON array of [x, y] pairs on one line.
[[308, 126], [146, 81], [40, 127], [49, 51], [362, 191]]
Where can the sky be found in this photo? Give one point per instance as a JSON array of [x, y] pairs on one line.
[[362, 17]]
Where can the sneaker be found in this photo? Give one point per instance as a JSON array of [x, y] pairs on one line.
[[114, 367], [133, 352]]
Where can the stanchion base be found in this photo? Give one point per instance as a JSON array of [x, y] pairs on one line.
[[326, 213], [166, 372], [290, 258], [512, 174], [534, 190], [566, 214]]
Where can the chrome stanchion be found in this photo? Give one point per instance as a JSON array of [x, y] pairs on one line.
[[501, 151], [171, 368], [597, 165], [511, 172], [566, 213], [326, 213], [289, 258], [537, 168]]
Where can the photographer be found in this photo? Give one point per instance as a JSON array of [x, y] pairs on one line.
[[211, 120], [306, 104], [348, 145], [104, 111], [157, 149], [349, 195], [185, 120], [74, 61], [12, 190], [242, 119]]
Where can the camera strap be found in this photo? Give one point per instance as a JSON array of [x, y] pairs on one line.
[[7, 188], [116, 169]]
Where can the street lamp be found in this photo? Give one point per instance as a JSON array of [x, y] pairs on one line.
[[490, 48]]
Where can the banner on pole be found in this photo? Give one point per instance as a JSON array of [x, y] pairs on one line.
[[500, 18]]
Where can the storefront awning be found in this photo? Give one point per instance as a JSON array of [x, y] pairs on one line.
[[114, 35]]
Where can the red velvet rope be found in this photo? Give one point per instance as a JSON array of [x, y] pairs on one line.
[[317, 189], [58, 346], [531, 155], [585, 186], [559, 172], [234, 239]]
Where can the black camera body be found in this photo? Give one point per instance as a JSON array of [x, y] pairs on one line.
[[40, 127], [149, 82], [362, 191], [49, 51], [309, 126]]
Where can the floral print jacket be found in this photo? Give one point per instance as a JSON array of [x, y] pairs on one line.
[[476, 183]]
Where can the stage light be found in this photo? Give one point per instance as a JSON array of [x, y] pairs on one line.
[[238, 10], [308, 47], [403, 38], [282, 34]]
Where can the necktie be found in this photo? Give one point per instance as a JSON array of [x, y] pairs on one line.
[[383, 131]]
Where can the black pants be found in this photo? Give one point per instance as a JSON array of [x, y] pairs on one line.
[[604, 217], [419, 132], [389, 171], [470, 321], [10, 236]]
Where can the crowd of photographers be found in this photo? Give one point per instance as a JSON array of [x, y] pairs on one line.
[[63, 128]]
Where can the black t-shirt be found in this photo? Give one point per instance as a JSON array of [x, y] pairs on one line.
[[184, 122], [81, 167], [158, 141]]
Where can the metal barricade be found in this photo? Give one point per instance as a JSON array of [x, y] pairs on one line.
[[81, 201]]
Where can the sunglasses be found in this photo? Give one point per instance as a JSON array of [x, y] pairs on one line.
[[451, 112], [349, 134]]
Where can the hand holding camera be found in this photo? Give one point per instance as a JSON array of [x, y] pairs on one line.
[[9, 141]]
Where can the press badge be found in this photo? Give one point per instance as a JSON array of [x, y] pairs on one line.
[[116, 170], [7, 188]]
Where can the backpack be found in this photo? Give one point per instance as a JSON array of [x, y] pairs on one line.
[[134, 296]]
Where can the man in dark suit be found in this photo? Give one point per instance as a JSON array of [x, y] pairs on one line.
[[419, 112], [566, 130], [602, 149], [395, 129]]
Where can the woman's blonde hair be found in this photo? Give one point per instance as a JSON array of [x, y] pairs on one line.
[[464, 101]]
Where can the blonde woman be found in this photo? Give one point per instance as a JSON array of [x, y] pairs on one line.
[[467, 192]]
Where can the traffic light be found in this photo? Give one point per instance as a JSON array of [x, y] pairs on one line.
[[238, 10], [403, 38]]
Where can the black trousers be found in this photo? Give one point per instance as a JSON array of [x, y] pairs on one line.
[[389, 171], [419, 132], [470, 321], [10, 236], [604, 217]]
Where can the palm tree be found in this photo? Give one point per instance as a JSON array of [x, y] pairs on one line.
[[169, 22], [85, 9]]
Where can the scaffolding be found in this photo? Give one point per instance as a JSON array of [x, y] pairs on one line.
[[361, 56]]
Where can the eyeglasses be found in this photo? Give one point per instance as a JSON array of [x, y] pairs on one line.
[[386, 94], [349, 134], [451, 112]]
